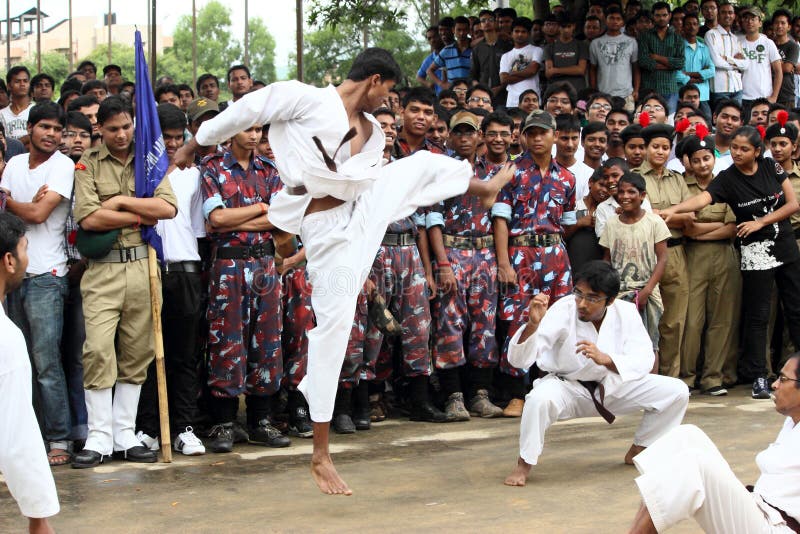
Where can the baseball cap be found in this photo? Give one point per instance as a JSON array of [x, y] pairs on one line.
[[751, 10], [465, 117], [112, 67], [200, 106], [539, 119]]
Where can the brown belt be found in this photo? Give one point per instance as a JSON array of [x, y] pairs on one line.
[[297, 191], [468, 243], [536, 240], [399, 240], [598, 404]]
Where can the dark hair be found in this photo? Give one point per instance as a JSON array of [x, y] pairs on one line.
[[462, 20], [83, 101], [479, 112], [753, 137], [382, 111], [478, 87], [679, 9], [11, 231], [728, 103], [203, 78], [522, 22], [656, 96], [459, 81], [93, 84], [691, 15], [782, 13], [483, 12], [13, 71], [375, 61], [434, 28], [497, 117], [567, 122], [688, 87], [111, 107], [43, 76], [634, 179], [71, 84], [127, 83], [797, 369], [527, 92], [186, 87], [613, 10], [447, 22], [443, 115], [715, 2], [616, 162], [600, 276], [508, 12], [66, 94], [79, 120], [423, 95], [170, 117], [661, 5], [516, 113], [593, 128], [622, 111], [236, 67], [447, 93], [167, 88], [87, 63], [561, 87], [761, 101], [699, 113], [46, 111]]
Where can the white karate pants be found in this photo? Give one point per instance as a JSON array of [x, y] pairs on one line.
[[683, 476], [341, 244], [552, 399]]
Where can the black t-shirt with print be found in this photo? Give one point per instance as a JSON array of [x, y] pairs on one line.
[[752, 197]]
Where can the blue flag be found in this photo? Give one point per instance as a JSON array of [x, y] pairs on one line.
[[150, 158]]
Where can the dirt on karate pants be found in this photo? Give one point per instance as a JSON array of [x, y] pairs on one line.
[[467, 315], [539, 270], [298, 319], [245, 322]]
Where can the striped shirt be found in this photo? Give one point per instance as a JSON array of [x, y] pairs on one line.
[[671, 46], [722, 46], [455, 62]]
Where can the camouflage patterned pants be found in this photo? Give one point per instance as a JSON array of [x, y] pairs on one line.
[[467, 315], [245, 322], [298, 319]]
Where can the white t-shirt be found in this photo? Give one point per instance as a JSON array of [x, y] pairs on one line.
[[46, 240], [179, 235], [757, 79], [582, 174], [518, 59], [16, 125]]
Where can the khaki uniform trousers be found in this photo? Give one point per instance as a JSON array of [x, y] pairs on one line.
[[119, 328], [675, 295], [715, 287]]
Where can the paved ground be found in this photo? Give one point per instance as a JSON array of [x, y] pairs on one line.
[[407, 477]]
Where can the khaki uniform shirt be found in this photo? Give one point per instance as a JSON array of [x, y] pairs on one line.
[[99, 176], [718, 212], [668, 190], [794, 176]]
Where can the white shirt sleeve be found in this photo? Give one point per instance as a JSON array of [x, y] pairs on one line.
[[279, 101], [196, 207], [506, 61], [772, 51], [636, 358], [61, 176], [547, 339]]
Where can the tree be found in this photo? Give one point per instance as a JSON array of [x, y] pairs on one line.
[[262, 51], [121, 55], [53, 63]]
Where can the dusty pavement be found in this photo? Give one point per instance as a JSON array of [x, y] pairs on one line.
[[407, 477]]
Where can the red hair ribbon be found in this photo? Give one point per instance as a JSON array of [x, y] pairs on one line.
[[701, 131], [682, 125], [644, 119]]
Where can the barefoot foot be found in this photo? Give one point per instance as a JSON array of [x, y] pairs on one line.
[[519, 475], [632, 452], [327, 478]]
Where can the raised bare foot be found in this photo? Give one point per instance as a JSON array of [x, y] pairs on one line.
[[327, 478], [496, 183], [632, 452], [519, 475]]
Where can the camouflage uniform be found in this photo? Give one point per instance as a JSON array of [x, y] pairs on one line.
[[298, 319]]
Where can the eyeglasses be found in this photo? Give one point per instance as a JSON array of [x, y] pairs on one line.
[[606, 107], [459, 91], [464, 133], [782, 378], [476, 99], [656, 107], [82, 135], [487, 19], [493, 135], [588, 298], [562, 101]]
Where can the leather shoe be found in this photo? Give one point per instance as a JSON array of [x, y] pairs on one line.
[[425, 411], [343, 424], [87, 458], [138, 454]]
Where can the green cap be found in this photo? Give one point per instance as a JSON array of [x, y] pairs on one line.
[[94, 245]]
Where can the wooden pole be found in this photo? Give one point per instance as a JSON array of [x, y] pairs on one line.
[[153, 26], [246, 34], [9, 34], [299, 22], [38, 36], [109, 32], [71, 44], [194, 43], [161, 373]]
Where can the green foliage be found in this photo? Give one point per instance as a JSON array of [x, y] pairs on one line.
[[122, 55], [356, 13], [53, 63], [262, 51]]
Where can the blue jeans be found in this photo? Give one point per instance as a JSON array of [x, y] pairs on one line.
[[717, 97], [72, 356], [37, 307], [672, 102]]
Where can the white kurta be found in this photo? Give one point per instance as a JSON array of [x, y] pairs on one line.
[[559, 396], [341, 243], [683, 476], [23, 460]]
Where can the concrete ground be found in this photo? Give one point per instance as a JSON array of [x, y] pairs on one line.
[[407, 477]]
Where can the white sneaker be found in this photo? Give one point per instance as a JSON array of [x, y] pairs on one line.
[[189, 444], [149, 442]]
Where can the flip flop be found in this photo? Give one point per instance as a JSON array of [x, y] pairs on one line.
[[58, 457]]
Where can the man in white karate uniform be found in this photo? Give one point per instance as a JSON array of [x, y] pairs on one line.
[[340, 200], [597, 356], [23, 460], [683, 476]]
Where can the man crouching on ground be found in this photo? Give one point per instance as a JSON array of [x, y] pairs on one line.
[[597, 356]]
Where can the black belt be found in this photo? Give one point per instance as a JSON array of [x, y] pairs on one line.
[[718, 241], [244, 253], [536, 240], [181, 267], [468, 243], [675, 241], [405, 239], [791, 522], [297, 191], [598, 404]]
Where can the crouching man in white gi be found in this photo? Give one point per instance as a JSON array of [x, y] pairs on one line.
[[683, 476], [597, 356]]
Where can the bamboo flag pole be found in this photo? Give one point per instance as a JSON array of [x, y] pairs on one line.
[[161, 373]]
